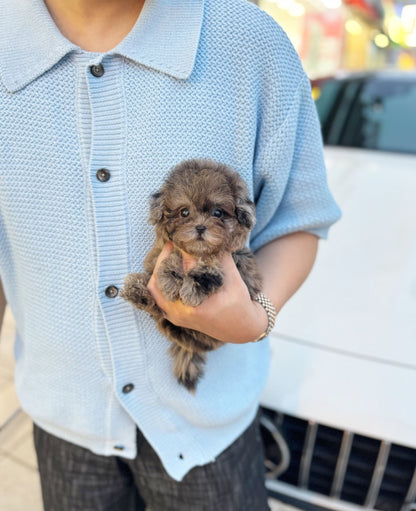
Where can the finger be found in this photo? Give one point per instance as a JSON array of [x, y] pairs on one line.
[[165, 252], [232, 277], [152, 284], [157, 295], [229, 266], [189, 261], [228, 261]]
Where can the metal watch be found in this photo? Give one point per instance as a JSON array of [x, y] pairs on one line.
[[262, 299]]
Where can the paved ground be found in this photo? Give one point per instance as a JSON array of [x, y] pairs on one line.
[[19, 479]]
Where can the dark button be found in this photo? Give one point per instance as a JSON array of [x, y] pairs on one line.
[[111, 292], [119, 447], [128, 388], [181, 456], [97, 71], [103, 175]]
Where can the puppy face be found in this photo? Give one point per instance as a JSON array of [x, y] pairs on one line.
[[203, 208]]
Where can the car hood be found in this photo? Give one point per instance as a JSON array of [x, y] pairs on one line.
[[361, 295], [344, 347]]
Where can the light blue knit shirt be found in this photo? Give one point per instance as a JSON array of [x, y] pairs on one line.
[[215, 79]]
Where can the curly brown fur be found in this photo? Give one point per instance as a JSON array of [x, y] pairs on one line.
[[203, 208]]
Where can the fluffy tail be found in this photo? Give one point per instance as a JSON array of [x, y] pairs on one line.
[[187, 366]]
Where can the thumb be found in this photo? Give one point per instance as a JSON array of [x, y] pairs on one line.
[[189, 261]]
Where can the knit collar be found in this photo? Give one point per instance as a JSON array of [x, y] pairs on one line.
[[164, 38]]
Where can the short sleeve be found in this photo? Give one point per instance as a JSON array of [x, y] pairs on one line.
[[290, 185]]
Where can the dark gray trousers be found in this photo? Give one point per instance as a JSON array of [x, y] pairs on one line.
[[75, 479]]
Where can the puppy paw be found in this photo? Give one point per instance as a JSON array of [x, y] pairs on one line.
[[170, 277], [136, 292], [199, 283]]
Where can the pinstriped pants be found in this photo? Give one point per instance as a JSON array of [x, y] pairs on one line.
[[75, 479]]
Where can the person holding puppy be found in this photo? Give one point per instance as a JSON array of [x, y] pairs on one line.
[[99, 101]]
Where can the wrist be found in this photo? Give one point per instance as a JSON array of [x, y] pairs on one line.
[[248, 324]]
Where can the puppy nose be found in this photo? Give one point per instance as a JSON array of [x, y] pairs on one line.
[[200, 228]]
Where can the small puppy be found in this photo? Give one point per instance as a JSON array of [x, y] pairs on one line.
[[204, 209]]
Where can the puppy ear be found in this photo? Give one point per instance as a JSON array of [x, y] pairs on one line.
[[246, 213], [156, 208]]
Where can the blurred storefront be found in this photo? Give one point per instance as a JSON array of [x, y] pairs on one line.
[[351, 35]]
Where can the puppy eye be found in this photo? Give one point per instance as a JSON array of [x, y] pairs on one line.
[[185, 212], [217, 212]]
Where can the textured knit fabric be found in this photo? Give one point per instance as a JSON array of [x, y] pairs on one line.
[[75, 479], [193, 79]]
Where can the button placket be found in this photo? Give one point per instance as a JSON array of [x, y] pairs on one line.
[[109, 207]]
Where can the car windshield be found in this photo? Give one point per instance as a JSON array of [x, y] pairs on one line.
[[371, 113]]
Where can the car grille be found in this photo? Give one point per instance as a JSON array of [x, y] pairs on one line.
[[341, 466]]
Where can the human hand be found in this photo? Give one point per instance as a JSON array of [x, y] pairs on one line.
[[228, 315]]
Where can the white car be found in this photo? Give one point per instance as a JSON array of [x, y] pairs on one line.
[[339, 408]]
